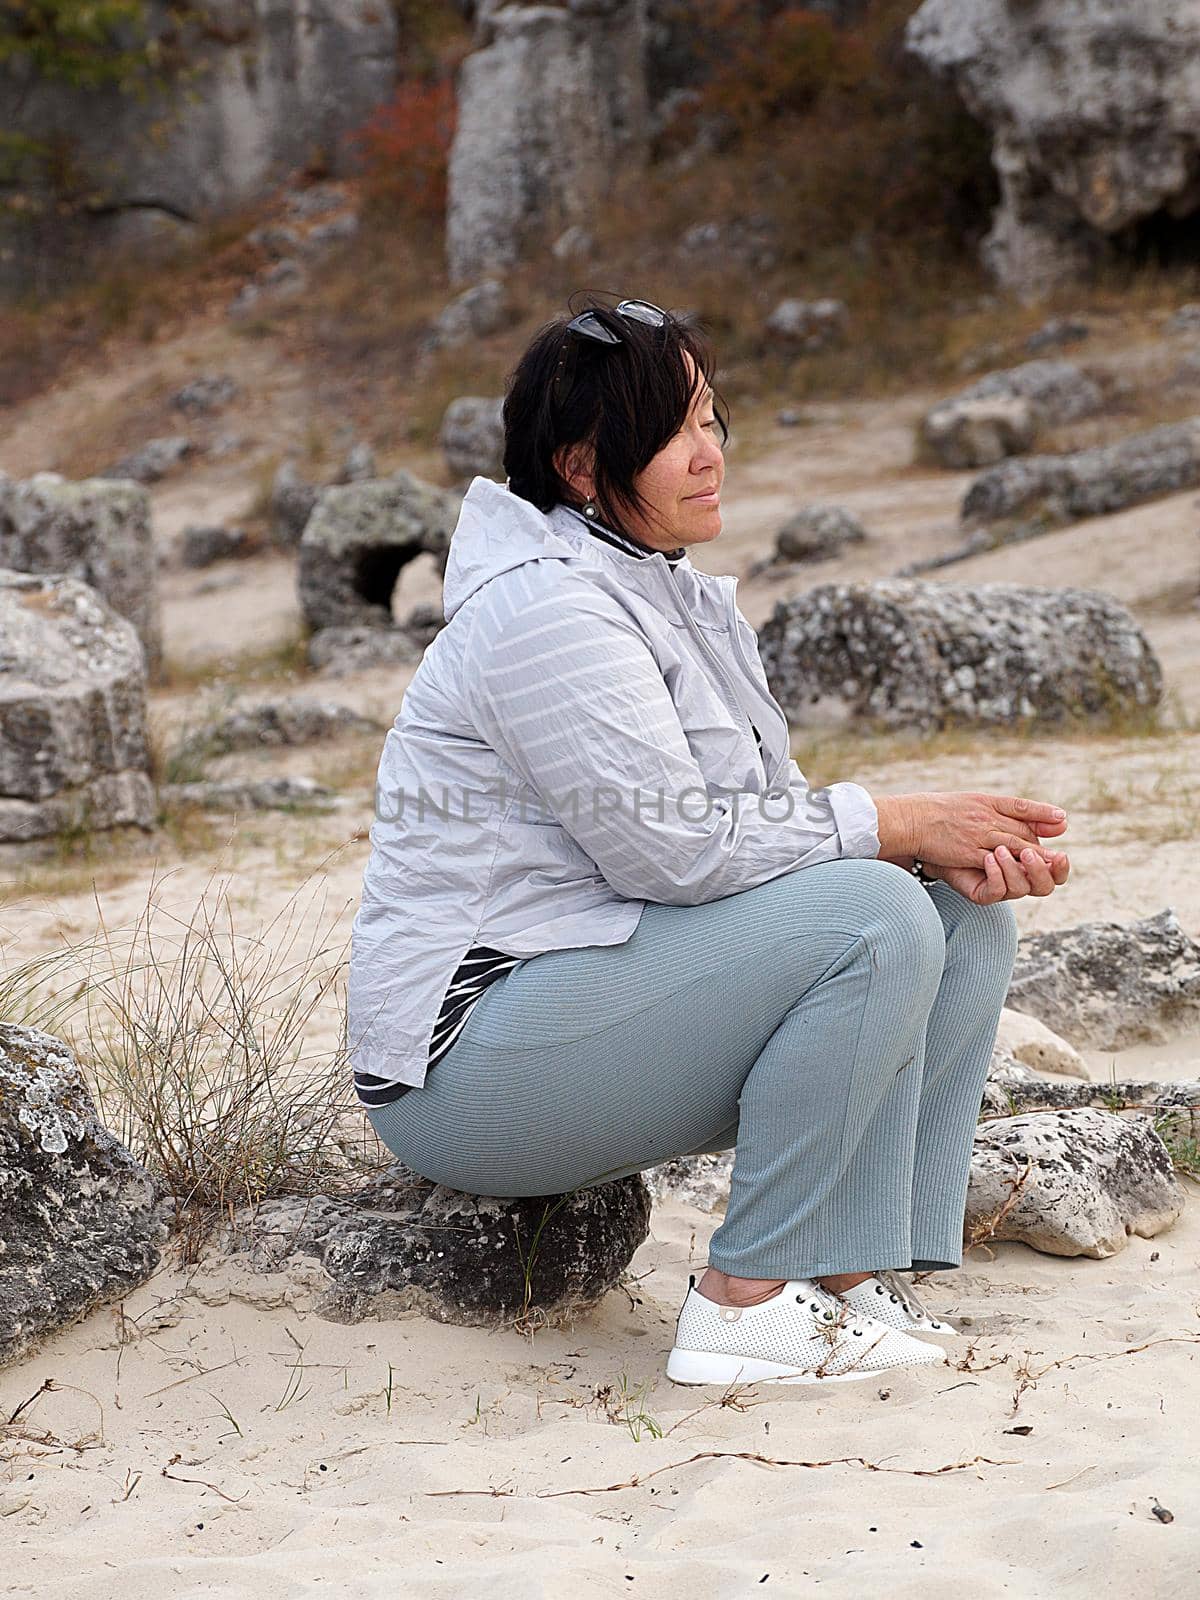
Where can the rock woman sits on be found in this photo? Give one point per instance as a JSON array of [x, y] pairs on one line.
[[605, 919]]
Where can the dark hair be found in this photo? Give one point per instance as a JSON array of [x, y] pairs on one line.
[[627, 401]]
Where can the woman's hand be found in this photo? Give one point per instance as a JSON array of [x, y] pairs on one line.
[[1003, 877], [958, 829], [977, 842]]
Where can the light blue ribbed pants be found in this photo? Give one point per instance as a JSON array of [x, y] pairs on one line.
[[833, 1026]]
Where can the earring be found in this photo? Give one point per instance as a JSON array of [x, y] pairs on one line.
[[589, 508]]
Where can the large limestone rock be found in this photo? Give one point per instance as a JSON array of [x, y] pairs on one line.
[[268, 82], [1094, 109], [548, 110], [356, 541], [93, 529], [81, 1223], [1040, 492], [926, 655], [1001, 413], [405, 1246], [1107, 984], [73, 747], [1070, 1183]]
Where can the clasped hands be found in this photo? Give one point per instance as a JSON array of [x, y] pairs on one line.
[[988, 847]]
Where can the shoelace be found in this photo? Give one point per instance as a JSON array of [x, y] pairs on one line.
[[904, 1294]]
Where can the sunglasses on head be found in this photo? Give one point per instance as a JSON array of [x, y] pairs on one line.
[[588, 326]]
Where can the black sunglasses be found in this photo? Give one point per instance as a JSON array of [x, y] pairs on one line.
[[588, 326]]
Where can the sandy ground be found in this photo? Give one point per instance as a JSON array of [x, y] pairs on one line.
[[212, 1435]]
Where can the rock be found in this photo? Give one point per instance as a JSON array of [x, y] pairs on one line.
[[276, 241], [245, 794], [277, 84], [975, 433], [153, 461], [809, 324], [1070, 1183], [901, 653], [1049, 491], [1001, 413], [202, 546], [1030, 1042], [423, 623], [73, 750], [81, 1222], [475, 314], [1186, 319], [1094, 111], [472, 437], [1110, 984], [749, 242], [292, 501], [204, 395], [359, 465], [339, 652], [357, 540], [818, 532], [697, 1180], [404, 1246], [573, 244], [273, 724], [548, 109], [1056, 334], [1016, 1089], [791, 417], [91, 529], [336, 231]]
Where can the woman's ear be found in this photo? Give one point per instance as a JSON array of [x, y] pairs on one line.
[[574, 466]]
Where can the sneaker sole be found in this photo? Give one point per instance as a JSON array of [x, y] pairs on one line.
[[703, 1366]]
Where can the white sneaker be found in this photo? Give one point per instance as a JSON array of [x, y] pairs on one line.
[[891, 1301], [804, 1334]]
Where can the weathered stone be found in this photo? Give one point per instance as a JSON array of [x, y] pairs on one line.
[[81, 1222], [204, 395], [404, 1246], [201, 546], [359, 537], [1094, 109], [246, 794], [550, 108], [808, 324], [818, 532], [266, 84], [472, 437], [1070, 1183], [272, 724], [340, 652], [1110, 984], [1030, 1042], [1057, 333], [476, 313], [99, 532], [902, 653], [976, 433], [1001, 413], [359, 465], [73, 749], [152, 461], [292, 502], [1049, 491], [1014, 1088]]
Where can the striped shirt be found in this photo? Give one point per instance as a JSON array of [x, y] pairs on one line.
[[482, 964]]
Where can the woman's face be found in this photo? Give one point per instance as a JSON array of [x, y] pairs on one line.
[[682, 483]]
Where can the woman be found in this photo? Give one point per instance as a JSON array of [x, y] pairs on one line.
[[605, 920]]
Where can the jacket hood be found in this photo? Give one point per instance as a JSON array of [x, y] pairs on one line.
[[496, 530]]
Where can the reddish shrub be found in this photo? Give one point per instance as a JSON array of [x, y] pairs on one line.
[[403, 147]]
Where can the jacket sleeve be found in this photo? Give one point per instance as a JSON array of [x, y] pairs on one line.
[[569, 694]]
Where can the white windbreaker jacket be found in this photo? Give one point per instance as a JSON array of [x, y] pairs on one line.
[[576, 741]]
